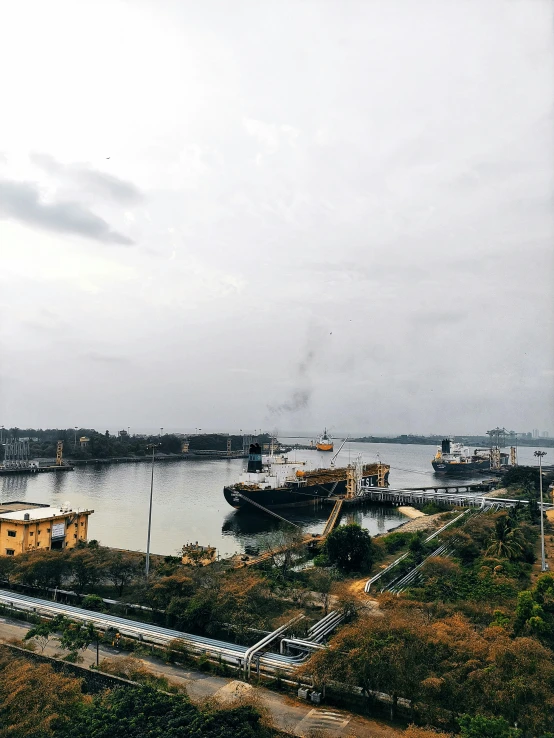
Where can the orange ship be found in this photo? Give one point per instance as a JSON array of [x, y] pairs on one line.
[[324, 442]]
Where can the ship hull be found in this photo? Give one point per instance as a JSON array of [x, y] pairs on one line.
[[457, 469], [324, 446], [291, 496]]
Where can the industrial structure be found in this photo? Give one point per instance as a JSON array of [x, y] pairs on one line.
[[27, 526], [17, 459], [498, 437], [16, 454]]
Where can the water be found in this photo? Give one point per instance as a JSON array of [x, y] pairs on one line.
[[189, 504]]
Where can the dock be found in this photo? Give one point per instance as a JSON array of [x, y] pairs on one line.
[[35, 469], [423, 496]]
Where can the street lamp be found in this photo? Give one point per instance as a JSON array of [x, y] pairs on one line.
[[75, 438], [153, 446], [539, 455], [1, 434], [161, 431]]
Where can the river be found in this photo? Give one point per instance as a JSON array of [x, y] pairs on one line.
[[189, 504]]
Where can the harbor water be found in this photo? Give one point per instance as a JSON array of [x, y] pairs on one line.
[[189, 504]]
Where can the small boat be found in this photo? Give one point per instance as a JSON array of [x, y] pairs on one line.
[[324, 442]]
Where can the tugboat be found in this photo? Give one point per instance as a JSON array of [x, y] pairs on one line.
[[281, 483], [324, 442], [455, 458]]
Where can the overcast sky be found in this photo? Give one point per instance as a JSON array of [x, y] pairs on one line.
[[278, 214]]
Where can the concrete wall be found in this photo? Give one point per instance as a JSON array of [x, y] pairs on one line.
[[93, 681]]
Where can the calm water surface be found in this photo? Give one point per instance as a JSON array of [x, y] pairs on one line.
[[189, 503]]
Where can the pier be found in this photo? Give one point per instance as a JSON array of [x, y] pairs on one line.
[[5, 471], [423, 496]]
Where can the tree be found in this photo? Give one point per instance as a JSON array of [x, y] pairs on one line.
[[42, 568], [480, 726], [142, 712], [45, 631], [350, 548], [86, 567], [93, 602], [506, 542], [77, 636], [7, 567], [121, 570], [280, 544], [521, 477], [377, 654], [35, 701], [322, 582], [516, 683]]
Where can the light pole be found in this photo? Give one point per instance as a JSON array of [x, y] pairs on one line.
[[540, 454], [75, 438], [161, 431], [147, 571]]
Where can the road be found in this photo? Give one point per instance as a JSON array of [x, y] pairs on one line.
[[289, 715]]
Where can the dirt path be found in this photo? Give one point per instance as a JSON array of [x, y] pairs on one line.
[[427, 522], [292, 716]]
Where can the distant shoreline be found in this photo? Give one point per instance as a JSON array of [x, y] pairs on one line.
[[483, 442]]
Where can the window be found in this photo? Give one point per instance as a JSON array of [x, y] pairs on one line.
[[31, 533], [82, 523], [10, 552], [38, 543], [12, 533]]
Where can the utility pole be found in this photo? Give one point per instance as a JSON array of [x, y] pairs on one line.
[[147, 571], [540, 454]]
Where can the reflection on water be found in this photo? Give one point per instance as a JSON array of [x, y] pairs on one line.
[[189, 504]]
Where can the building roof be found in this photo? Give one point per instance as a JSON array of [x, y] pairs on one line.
[[40, 513], [6, 507]]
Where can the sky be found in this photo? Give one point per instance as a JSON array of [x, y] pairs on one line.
[[283, 214]]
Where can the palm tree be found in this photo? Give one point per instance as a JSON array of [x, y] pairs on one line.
[[506, 542]]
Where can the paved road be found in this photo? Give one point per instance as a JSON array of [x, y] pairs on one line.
[[290, 715]]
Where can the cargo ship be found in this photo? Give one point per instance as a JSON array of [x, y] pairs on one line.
[[455, 458], [281, 483], [324, 442]]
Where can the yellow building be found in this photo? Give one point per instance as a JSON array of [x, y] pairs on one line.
[[28, 526]]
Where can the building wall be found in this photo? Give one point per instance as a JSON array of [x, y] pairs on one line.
[[33, 535]]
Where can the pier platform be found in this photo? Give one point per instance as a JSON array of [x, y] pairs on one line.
[[36, 470]]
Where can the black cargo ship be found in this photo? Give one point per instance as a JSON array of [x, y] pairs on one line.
[[280, 483], [456, 459]]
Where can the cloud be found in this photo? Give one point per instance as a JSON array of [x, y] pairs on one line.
[[101, 183], [104, 358], [21, 201]]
